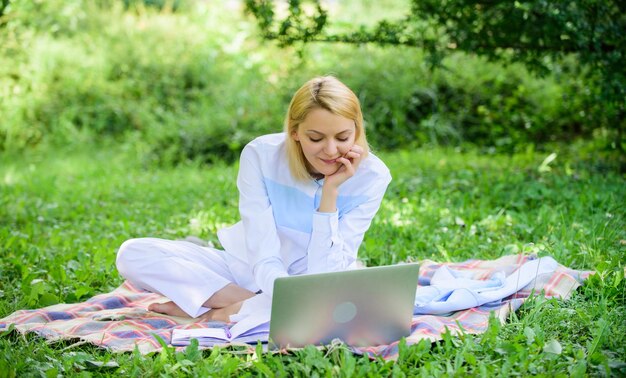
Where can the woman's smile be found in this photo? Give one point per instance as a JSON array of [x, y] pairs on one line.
[[329, 161]]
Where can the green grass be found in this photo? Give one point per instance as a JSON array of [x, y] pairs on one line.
[[63, 215]]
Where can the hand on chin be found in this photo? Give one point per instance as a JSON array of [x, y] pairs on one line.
[[341, 168]]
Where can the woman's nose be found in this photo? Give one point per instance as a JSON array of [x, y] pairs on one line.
[[330, 148]]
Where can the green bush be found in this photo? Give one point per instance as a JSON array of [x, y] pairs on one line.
[[198, 83], [154, 74], [506, 107]]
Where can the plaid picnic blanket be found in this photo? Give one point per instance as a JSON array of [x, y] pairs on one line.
[[120, 322]]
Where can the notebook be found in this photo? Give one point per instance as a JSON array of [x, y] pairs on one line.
[[363, 307], [248, 331]]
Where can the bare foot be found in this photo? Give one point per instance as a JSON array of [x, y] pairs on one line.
[[221, 314], [168, 308]]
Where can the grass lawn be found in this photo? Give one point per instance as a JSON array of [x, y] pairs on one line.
[[63, 215]]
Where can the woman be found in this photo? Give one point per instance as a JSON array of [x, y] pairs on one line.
[[306, 198]]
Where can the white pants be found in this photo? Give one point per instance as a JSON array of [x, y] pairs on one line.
[[184, 272]]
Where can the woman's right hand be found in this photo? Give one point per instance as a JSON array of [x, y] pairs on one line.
[[349, 163]]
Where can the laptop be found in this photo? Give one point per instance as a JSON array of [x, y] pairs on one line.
[[362, 307]]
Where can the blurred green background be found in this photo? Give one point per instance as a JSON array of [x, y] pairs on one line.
[[121, 118], [193, 80]]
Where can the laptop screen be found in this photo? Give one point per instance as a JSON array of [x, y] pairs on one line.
[[362, 307]]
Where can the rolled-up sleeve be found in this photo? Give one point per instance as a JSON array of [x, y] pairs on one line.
[[260, 234], [335, 242]]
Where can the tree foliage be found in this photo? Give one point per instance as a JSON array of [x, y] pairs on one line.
[[4, 4], [534, 32]]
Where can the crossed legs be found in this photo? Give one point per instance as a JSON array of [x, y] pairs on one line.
[[196, 279]]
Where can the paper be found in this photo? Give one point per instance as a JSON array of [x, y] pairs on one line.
[[252, 325], [216, 336]]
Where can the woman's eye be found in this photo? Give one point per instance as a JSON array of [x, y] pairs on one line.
[[342, 139], [314, 140]]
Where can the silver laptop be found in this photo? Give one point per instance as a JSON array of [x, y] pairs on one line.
[[362, 307]]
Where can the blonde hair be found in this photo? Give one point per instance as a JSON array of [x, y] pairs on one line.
[[324, 92]]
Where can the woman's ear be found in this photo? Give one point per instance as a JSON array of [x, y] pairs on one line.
[[294, 135]]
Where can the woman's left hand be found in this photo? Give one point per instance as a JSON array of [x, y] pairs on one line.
[[349, 163]]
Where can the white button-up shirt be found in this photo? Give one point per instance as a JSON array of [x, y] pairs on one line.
[[281, 232]]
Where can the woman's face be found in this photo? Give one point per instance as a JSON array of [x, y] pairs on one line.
[[324, 137]]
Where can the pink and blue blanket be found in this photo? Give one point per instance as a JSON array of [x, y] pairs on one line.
[[120, 322]]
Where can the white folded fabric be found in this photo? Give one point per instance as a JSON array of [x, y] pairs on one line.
[[452, 290]]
